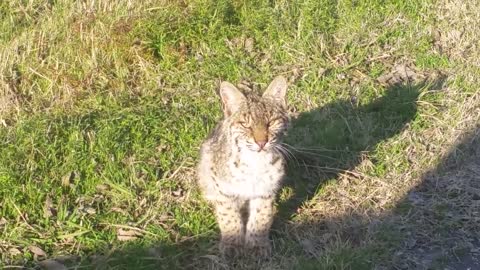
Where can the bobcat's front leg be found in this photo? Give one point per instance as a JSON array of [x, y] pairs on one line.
[[232, 228], [260, 220]]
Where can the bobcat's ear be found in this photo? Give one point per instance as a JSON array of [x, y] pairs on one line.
[[232, 98], [277, 90]]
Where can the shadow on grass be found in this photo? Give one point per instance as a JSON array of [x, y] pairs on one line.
[[332, 139], [435, 224]]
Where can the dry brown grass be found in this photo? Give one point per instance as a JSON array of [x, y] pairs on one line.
[[456, 32], [75, 50]]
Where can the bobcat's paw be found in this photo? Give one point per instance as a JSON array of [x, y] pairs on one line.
[[259, 245], [231, 247]]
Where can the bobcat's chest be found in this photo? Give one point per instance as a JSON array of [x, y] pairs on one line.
[[255, 174]]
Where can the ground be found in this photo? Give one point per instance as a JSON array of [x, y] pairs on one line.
[[103, 106]]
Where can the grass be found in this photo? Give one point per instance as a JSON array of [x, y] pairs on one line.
[[104, 104]]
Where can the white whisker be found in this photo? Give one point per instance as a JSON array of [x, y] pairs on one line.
[[286, 153], [316, 154], [314, 148]]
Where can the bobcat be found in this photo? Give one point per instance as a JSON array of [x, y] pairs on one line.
[[241, 166]]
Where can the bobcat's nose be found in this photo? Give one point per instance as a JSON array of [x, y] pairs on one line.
[[261, 144]]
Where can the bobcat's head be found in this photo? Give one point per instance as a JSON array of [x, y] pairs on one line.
[[255, 122]]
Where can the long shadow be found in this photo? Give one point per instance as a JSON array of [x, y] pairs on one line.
[[331, 140], [434, 226]]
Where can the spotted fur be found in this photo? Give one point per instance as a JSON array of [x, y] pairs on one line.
[[241, 168]]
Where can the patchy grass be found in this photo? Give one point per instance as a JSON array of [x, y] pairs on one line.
[[103, 106]]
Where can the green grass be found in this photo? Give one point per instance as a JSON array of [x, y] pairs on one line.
[[123, 148], [105, 106]]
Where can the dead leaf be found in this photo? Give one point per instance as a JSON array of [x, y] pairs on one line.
[[68, 178], [127, 235], [341, 76], [52, 265], [162, 148], [37, 251], [237, 42], [126, 238], [178, 192], [48, 208], [401, 74], [321, 72], [143, 202], [3, 221], [297, 72], [248, 44], [102, 187], [182, 51], [90, 210], [14, 251], [118, 210]]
